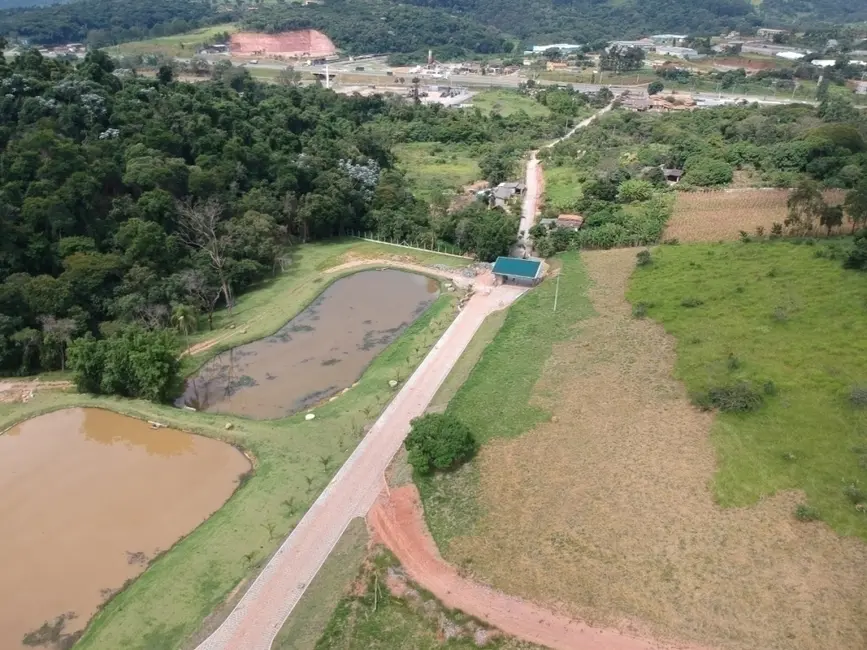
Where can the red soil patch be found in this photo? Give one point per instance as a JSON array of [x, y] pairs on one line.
[[397, 521], [306, 42]]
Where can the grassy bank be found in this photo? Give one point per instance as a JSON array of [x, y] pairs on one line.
[[562, 186], [494, 401], [773, 312], [294, 460], [432, 167], [373, 618]]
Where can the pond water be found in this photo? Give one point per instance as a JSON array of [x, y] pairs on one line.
[[318, 353], [87, 497]]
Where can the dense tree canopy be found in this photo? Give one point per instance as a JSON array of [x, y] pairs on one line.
[[137, 201]]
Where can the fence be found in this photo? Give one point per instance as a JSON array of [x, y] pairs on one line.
[[420, 245]]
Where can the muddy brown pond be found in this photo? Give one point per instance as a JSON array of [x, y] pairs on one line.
[[87, 497], [318, 353]]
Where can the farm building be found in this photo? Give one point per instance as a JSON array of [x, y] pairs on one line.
[[505, 191], [514, 270], [672, 175]]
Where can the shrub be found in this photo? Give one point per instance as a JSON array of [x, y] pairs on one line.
[[439, 441], [769, 388], [639, 310], [745, 236], [857, 258], [776, 229], [854, 494], [691, 302], [733, 363], [858, 396], [805, 513], [760, 231], [738, 398], [643, 258], [671, 241]]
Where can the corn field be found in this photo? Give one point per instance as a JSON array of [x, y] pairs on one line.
[[722, 215]]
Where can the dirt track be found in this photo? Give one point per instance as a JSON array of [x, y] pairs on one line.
[[259, 615], [397, 521]]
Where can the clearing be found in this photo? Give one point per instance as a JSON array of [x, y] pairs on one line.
[[435, 167], [507, 102], [293, 460], [606, 508], [179, 45], [562, 186], [721, 215]]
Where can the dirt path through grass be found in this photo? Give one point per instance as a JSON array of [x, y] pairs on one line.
[[606, 510], [397, 521]]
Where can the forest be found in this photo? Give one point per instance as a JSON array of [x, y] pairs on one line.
[[105, 22], [150, 202]]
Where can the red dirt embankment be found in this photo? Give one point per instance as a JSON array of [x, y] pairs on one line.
[[397, 522], [305, 42]]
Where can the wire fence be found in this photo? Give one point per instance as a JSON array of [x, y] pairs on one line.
[[422, 244]]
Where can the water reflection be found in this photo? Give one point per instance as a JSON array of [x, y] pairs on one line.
[[319, 352]]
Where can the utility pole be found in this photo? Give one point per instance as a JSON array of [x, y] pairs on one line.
[[557, 291]]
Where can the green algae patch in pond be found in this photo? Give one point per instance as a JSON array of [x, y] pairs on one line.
[[87, 498], [318, 353]]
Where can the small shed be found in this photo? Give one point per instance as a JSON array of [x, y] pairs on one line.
[[514, 270], [672, 175], [570, 221]]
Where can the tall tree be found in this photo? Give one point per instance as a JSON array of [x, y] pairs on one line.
[[806, 205], [199, 227], [855, 205]]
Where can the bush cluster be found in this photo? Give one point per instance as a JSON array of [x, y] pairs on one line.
[[739, 397], [439, 441]]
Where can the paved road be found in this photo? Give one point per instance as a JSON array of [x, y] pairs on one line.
[[260, 614]]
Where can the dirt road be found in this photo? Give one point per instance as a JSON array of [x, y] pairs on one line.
[[397, 521], [258, 616], [533, 181]]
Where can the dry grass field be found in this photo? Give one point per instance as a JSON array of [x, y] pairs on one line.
[[606, 510], [715, 216]]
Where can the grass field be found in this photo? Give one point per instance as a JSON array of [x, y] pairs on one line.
[[294, 460], [716, 216], [562, 186], [600, 490], [375, 618], [790, 318], [432, 167], [506, 102], [180, 45]]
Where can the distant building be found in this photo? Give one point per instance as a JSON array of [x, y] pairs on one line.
[[768, 34], [672, 175], [679, 52], [669, 39], [861, 88], [503, 192], [790, 56], [823, 63], [645, 44], [563, 47], [569, 221]]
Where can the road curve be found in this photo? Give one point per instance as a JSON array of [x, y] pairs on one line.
[[260, 614]]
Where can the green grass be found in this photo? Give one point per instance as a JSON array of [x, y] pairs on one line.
[[494, 401], [432, 167], [314, 611], [562, 187], [171, 599], [788, 317], [467, 361], [181, 45], [376, 620], [507, 102]]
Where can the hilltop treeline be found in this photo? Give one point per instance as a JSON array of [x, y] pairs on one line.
[[150, 202], [103, 22]]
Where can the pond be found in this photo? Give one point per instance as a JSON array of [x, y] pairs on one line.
[[87, 498], [318, 353]]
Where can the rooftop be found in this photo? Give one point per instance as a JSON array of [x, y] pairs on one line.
[[517, 267]]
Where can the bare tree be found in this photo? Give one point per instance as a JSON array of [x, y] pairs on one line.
[[199, 228], [153, 316], [58, 331], [200, 292]]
